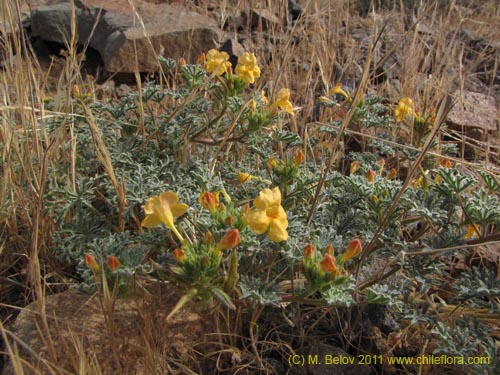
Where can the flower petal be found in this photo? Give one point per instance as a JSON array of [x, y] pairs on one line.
[[179, 209], [277, 230], [258, 221], [151, 221], [268, 197], [151, 205]]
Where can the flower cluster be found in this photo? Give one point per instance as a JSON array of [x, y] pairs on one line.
[[321, 269], [246, 71]]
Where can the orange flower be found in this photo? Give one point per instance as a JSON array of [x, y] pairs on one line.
[[309, 250], [179, 254], [90, 261], [445, 163], [231, 239], [113, 263], [472, 231], [209, 201], [353, 249], [328, 264]]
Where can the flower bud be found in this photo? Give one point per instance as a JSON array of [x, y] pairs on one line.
[[329, 250], [328, 264], [392, 174], [229, 220], [309, 250], [90, 261], [272, 162], [208, 238], [209, 201], [201, 58], [182, 61], [354, 166], [113, 263], [371, 176], [445, 163], [179, 254], [299, 157], [231, 239], [353, 249]]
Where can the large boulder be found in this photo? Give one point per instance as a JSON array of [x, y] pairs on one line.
[[474, 110], [128, 39]]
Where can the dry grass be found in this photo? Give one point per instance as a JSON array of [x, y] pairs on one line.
[[329, 44]]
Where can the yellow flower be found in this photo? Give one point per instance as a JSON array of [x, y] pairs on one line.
[[338, 90], [283, 101], [269, 215], [164, 209], [244, 177], [404, 109], [247, 68], [217, 62]]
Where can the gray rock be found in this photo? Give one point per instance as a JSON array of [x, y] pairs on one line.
[[473, 110], [263, 19], [234, 49], [124, 43]]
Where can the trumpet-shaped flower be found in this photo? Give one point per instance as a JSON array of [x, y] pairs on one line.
[[404, 109], [283, 101], [353, 248], [164, 209], [217, 62], [269, 215], [338, 90], [247, 68]]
